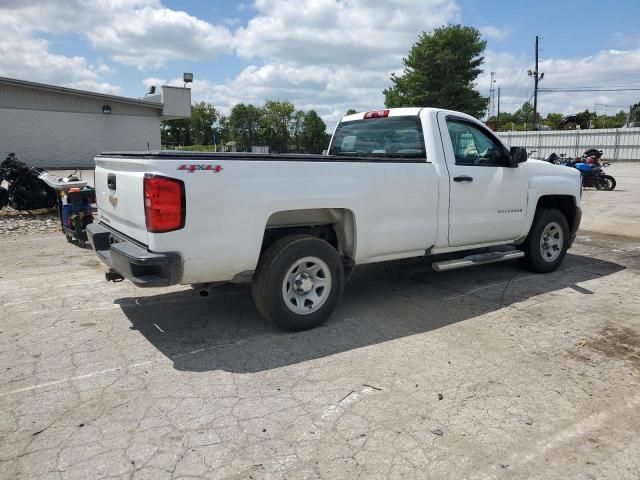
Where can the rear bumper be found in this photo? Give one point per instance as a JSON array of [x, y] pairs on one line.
[[575, 224], [132, 261]]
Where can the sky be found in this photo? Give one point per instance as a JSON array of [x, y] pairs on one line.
[[327, 55]]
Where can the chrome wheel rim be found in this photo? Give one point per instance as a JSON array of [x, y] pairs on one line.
[[306, 286], [551, 242]]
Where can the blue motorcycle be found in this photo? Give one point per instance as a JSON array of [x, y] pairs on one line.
[[590, 168], [593, 175]]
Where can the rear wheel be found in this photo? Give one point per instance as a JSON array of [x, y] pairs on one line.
[[298, 282], [607, 182], [547, 242]]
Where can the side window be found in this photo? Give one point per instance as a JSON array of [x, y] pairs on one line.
[[472, 146]]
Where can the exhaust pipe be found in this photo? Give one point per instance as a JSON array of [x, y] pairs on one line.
[[204, 289], [113, 276]]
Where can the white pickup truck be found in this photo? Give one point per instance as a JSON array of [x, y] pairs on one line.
[[396, 183]]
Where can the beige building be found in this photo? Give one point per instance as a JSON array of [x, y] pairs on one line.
[[56, 127]]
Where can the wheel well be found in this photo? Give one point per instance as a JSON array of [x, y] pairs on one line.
[[564, 203], [335, 225]]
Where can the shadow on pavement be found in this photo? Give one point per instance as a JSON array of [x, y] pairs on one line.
[[382, 302]]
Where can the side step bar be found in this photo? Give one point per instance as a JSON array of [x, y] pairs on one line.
[[477, 259]]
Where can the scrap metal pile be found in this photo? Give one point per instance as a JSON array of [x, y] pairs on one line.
[[24, 190]]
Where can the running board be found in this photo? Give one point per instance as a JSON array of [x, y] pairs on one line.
[[477, 259]]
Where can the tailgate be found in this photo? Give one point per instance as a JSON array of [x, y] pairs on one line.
[[120, 196]]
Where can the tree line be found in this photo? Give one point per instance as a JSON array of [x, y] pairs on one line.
[[276, 124], [522, 119]]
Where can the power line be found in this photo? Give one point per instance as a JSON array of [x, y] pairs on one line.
[[594, 89], [521, 85]]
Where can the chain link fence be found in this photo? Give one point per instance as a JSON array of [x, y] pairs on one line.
[[618, 144]]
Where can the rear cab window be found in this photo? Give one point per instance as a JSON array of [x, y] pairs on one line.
[[386, 137]]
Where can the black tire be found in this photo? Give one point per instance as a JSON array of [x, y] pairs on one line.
[[608, 182], [269, 281], [4, 197], [532, 247]]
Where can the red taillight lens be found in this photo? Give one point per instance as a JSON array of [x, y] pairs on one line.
[[164, 203], [376, 114]]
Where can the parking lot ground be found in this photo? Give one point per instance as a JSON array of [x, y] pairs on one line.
[[490, 372]]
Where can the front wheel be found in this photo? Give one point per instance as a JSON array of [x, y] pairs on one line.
[[547, 242], [298, 282]]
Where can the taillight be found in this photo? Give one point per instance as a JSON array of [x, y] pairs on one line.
[[377, 114], [164, 203]]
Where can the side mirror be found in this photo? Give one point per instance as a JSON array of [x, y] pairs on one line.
[[517, 155]]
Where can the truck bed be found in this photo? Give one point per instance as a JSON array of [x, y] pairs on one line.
[[258, 157]]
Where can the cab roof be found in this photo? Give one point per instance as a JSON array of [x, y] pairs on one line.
[[402, 112]]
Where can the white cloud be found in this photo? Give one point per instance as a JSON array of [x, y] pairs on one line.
[[150, 36], [141, 33], [338, 32], [495, 33], [25, 57]]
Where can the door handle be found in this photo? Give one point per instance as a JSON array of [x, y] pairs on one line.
[[111, 181], [463, 178]]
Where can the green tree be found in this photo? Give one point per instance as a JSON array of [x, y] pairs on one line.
[[611, 121], [243, 126], [176, 132], [351, 111], [635, 113], [296, 130], [619, 119], [440, 71], [277, 116], [314, 133], [524, 115], [197, 129], [203, 118], [586, 118], [553, 120], [505, 123]]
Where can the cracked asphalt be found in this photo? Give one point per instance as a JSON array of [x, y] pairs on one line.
[[491, 372]]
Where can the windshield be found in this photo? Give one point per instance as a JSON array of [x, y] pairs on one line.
[[380, 137]]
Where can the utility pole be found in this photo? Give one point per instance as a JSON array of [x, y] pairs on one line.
[[498, 119], [537, 76], [492, 91]]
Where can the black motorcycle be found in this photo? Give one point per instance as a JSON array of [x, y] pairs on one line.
[[556, 159], [25, 191]]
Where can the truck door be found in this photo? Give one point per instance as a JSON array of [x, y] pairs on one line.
[[488, 200]]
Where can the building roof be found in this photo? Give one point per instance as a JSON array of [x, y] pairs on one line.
[[81, 93]]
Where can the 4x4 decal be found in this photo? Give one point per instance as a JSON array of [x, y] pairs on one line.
[[194, 168]]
